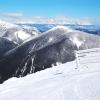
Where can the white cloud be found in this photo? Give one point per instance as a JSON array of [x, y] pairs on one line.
[[18, 17], [16, 14]]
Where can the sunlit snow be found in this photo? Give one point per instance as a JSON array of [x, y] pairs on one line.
[[50, 39], [22, 35], [77, 42], [66, 29]]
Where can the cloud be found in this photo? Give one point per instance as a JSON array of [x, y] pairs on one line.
[[20, 18], [11, 15]]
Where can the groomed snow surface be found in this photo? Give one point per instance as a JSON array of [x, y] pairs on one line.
[[62, 82]]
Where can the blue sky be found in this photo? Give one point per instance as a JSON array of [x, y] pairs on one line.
[[50, 8]]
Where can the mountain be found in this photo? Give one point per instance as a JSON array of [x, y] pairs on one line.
[[82, 40], [16, 33], [36, 54], [5, 46], [57, 45], [61, 82]]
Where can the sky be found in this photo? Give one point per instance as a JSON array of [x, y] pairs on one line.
[[50, 8]]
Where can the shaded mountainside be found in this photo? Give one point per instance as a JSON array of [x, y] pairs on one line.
[[5, 46], [56, 45], [36, 54]]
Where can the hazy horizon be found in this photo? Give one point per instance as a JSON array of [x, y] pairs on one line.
[[67, 11]]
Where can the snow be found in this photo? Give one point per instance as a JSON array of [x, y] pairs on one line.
[[61, 82], [50, 39], [22, 35], [65, 28], [77, 42], [7, 24], [31, 29]]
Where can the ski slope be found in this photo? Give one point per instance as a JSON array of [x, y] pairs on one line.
[[61, 82]]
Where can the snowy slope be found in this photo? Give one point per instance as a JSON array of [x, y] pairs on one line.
[[4, 26], [17, 33], [62, 82], [7, 24], [82, 40]]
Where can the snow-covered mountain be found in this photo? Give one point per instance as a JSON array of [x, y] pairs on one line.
[[17, 33], [56, 45], [81, 39], [61, 82], [4, 26], [25, 50]]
